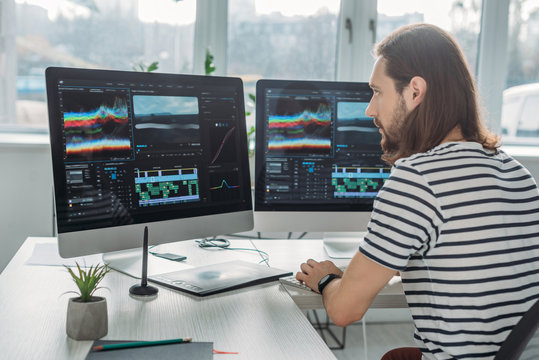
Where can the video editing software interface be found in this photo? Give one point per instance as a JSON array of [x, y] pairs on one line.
[[318, 149], [137, 151]]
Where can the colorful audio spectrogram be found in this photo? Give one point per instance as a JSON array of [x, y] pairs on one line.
[[358, 182], [163, 187], [98, 129], [305, 131]]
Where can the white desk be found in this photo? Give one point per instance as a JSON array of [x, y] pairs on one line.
[[260, 322]]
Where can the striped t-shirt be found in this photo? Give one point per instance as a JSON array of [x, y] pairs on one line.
[[461, 223]]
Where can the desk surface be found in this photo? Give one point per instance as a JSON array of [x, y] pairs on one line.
[[264, 321], [258, 322]]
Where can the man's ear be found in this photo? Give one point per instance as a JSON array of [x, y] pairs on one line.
[[416, 91]]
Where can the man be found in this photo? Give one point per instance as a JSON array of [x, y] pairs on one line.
[[458, 218]]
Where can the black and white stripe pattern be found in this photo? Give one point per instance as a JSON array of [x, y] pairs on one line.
[[462, 225]]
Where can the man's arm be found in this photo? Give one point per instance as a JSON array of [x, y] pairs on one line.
[[346, 300]]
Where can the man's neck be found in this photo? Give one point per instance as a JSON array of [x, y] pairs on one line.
[[454, 135]]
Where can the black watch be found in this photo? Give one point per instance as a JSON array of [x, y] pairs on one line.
[[325, 281]]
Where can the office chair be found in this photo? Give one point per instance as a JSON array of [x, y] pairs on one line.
[[518, 342]]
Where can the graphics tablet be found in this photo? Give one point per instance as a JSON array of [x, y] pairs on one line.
[[217, 278]]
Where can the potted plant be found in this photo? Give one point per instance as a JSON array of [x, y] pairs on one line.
[[87, 314]]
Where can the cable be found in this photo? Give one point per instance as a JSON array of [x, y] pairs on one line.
[[215, 243], [224, 244], [260, 252], [151, 247]]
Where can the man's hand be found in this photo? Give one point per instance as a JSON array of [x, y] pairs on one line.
[[313, 271]]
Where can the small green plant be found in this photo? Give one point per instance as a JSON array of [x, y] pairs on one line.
[[251, 141], [149, 68], [209, 66], [87, 280], [247, 113], [251, 131]]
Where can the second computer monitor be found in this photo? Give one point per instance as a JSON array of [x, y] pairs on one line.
[[318, 156]]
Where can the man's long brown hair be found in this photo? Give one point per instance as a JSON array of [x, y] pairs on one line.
[[451, 98]]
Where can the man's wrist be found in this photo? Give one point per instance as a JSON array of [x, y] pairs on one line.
[[325, 281]]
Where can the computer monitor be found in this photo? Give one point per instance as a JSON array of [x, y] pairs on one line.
[[318, 156], [132, 150]]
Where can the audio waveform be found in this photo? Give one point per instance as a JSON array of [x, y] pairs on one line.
[[300, 144], [82, 146], [102, 130], [97, 117], [303, 131], [299, 121]]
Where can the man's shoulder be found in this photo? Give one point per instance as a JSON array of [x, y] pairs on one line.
[[449, 151]]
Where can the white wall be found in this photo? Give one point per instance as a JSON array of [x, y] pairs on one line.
[[25, 195]]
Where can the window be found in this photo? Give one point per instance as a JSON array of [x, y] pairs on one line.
[[266, 39], [522, 75], [523, 67], [108, 34], [281, 39], [461, 18]]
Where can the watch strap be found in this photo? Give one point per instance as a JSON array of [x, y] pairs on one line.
[[325, 281]]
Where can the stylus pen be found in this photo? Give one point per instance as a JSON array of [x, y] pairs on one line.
[[139, 344]]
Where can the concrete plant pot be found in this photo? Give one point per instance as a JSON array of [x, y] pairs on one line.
[[87, 320]]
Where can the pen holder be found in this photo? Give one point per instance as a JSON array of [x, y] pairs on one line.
[[87, 320]]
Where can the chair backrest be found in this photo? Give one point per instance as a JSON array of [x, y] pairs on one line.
[[523, 341]]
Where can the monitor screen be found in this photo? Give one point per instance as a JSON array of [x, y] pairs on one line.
[[133, 149], [318, 156]]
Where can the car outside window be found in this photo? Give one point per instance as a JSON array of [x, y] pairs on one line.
[[528, 126]]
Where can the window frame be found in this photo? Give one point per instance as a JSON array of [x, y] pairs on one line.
[[8, 64], [211, 32], [492, 59], [354, 59]]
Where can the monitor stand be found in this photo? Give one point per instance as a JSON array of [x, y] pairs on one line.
[[342, 245], [128, 262]]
